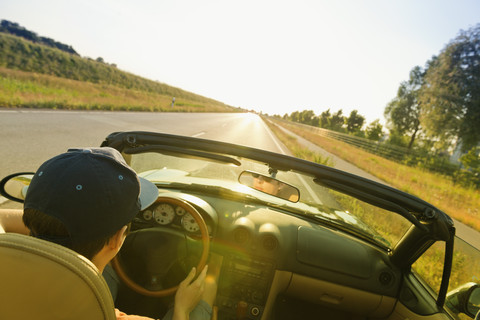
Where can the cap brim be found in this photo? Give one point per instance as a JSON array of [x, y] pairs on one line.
[[148, 193]]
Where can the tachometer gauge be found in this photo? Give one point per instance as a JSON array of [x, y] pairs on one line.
[[164, 214], [189, 224], [147, 215], [180, 211]]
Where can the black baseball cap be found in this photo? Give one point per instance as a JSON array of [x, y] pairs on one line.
[[92, 191]]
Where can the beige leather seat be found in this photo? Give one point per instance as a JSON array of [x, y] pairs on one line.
[[42, 280]]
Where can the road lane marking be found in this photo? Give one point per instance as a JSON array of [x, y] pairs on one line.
[[302, 180], [273, 138]]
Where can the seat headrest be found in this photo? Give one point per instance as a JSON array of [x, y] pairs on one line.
[[43, 280]]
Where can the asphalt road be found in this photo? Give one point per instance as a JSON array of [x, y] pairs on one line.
[[29, 137]]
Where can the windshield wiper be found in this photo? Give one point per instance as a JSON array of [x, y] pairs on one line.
[[372, 198], [365, 235], [340, 225], [183, 153], [375, 239]]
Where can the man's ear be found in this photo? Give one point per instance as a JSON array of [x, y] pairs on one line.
[[116, 241]]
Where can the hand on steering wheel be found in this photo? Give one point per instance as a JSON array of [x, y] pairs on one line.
[[201, 264]]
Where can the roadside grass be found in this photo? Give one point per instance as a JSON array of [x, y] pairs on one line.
[[459, 202], [33, 90], [19, 54], [303, 153], [465, 267]]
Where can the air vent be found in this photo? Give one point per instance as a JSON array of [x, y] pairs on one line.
[[241, 235], [385, 278], [269, 242]]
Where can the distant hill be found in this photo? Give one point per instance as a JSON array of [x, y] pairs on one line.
[[22, 50]]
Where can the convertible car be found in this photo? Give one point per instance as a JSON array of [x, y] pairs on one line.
[[298, 240]]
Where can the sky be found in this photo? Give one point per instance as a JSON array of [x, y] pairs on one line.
[[270, 56]]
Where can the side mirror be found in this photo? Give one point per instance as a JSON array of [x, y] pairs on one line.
[[473, 302], [269, 185], [14, 187], [465, 299]]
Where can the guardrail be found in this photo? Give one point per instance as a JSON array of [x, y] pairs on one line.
[[395, 153], [378, 148]]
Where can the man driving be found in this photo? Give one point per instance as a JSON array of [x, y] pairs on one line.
[[84, 199]]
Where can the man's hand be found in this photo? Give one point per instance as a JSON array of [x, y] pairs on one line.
[[189, 294]]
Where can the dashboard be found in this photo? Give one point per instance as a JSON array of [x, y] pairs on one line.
[[271, 255]]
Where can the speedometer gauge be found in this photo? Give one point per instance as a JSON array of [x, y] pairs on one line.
[[189, 224], [147, 215], [180, 211], [164, 214]]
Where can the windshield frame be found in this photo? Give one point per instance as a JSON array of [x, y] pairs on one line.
[[428, 221]]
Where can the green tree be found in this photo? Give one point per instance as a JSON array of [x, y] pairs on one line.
[[470, 175], [450, 97], [374, 130], [295, 116], [397, 139], [403, 112], [325, 119], [471, 160], [337, 121], [354, 122], [308, 117]]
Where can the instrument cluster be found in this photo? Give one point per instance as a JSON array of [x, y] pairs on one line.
[[168, 214]]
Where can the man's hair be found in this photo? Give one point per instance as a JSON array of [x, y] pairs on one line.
[[50, 228]]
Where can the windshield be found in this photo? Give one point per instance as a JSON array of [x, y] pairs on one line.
[[316, 202]]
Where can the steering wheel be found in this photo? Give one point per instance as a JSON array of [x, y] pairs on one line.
[[168, 253]]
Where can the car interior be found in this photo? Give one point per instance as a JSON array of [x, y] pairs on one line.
[[281, 258], [53, 282]]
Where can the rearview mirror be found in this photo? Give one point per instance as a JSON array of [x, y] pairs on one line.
[[269, 185], [14, 187]]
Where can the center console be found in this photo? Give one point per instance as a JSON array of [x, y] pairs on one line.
[[243, 287]]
